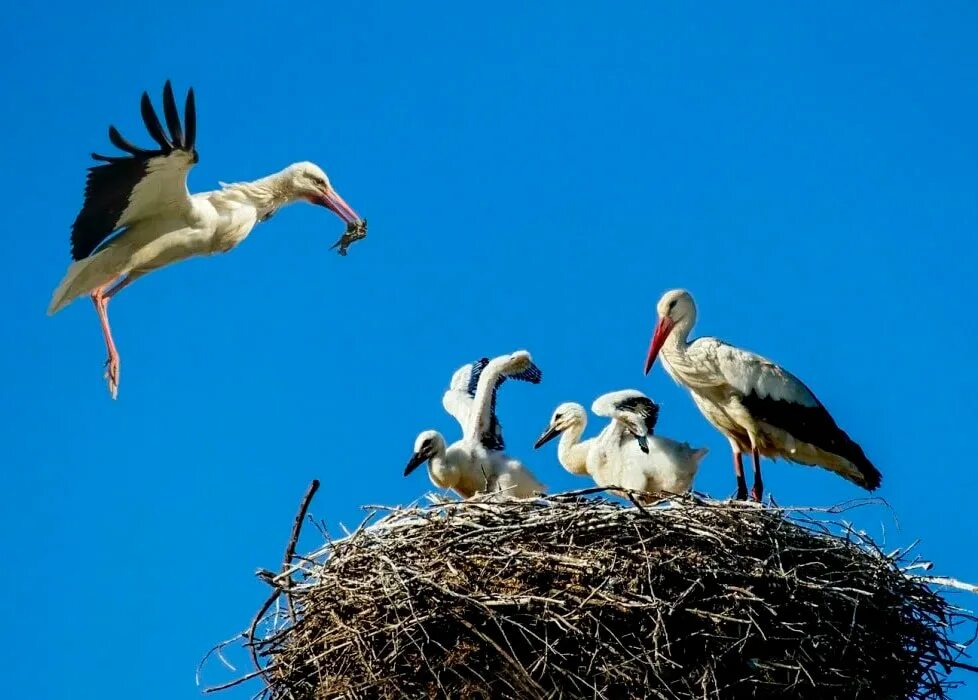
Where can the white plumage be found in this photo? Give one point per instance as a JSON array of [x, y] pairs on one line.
[[625, 453], [138, 215], [468, 466], [760, 407]]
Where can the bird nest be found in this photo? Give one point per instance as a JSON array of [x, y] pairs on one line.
[[568, 597]]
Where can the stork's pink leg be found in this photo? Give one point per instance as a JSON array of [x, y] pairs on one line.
[[101, 302], [100, 297], [757, 491], [741, 480]]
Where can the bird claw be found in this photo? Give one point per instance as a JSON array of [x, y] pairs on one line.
[[112, 375], [354, 232]]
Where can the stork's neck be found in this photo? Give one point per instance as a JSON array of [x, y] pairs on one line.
[[677, 342], [267, 195], [571, 452], [674, 350], [443, 470]]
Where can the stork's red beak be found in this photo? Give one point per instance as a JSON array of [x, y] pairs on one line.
[[332, 201], [662, 329]]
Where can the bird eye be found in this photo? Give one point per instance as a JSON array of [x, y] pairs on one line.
[[557, 417], [672, 304]]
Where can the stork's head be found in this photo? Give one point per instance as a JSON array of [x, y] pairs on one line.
[[308, 181], [675, 307], [428, 445], [566, 416]]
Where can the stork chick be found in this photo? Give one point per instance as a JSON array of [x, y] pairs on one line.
[[477, 463]]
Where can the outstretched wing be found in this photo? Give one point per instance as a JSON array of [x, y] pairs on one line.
[[456, 400], [488, 376], [129, 188], [492, 438]]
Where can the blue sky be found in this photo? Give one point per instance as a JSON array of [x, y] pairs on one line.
[[534, 178]]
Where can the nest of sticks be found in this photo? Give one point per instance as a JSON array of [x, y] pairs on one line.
[[568, 597]]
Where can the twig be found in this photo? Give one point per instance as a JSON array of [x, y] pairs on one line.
[[293, 542]]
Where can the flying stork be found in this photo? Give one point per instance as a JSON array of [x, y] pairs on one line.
[[476, 463], [760, 407], [138, 215]]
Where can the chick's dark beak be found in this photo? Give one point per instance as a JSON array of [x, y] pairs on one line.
[[549, 435], [417, 459]]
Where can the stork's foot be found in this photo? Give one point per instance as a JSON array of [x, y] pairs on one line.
[[112, 374], [757, 493], [354, 232]]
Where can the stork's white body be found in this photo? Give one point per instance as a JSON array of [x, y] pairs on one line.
[[209, 222]]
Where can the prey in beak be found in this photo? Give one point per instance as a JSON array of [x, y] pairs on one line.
[[354, 232], [551, 432], [356, 228], [662, 329]]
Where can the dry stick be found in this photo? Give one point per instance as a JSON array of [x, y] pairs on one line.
[[289, 553], [293, 541]]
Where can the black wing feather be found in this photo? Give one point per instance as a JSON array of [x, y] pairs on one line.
[[123, 144], [814, 425], [172, 116], [153, 125], [190, 123], [644, 407], [109, 185]]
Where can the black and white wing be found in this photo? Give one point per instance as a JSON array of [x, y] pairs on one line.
[[486, 378], [144, 183], [631, 408], [492, 438], [775, 396]]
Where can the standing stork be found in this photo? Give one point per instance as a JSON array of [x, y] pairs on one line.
[[138, 215], [760, 407], [476, 463]]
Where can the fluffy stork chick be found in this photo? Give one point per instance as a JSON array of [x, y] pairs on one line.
[[625, 453], [476, 463], [138, 215], [569, 421], [468, 471], [760, 407], [661, 464]]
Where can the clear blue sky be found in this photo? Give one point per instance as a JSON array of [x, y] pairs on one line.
[[534, 178]]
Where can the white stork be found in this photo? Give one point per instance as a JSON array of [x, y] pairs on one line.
[[626, 453], [760, 407], [476, 463], [138, 215]]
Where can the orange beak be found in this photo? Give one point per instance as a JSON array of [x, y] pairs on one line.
[[662, 329]]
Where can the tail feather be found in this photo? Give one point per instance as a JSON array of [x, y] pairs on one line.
[[83, 276]]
